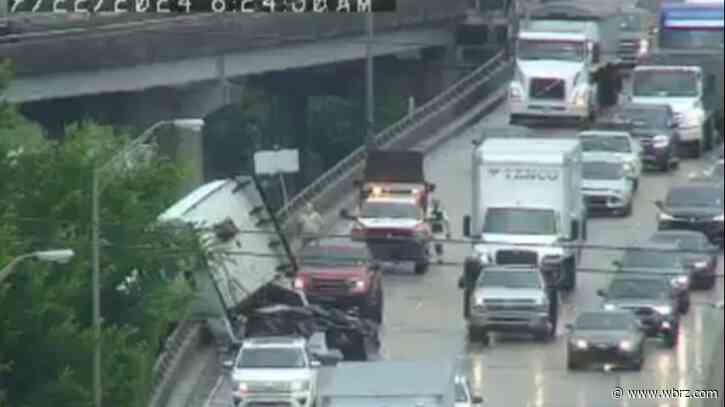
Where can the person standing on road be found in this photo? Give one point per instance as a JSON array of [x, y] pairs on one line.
[[310, 224], [439, 225]]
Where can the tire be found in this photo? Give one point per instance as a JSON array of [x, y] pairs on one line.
[[670, 339], [548, 335], [570, 270], [628, 210], [666, 166], [684, 307], [422, 267], [709, 283], [374, 312], [571, 364], [478, 335], [696, 150], [637, 364]]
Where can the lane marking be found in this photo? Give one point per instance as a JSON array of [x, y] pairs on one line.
[[214, 391]]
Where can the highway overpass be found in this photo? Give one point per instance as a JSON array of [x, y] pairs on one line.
[[132, 57]]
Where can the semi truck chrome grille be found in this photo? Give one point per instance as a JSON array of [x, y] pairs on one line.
[[547, 88]]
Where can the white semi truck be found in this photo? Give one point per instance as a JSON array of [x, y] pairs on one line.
[[527, 206], [566, 62]]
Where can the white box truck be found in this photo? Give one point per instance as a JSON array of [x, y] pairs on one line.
[[527, 206]]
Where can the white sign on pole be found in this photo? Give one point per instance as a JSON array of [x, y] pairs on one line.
[[276, 162]]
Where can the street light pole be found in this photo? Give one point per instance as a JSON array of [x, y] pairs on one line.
[[49, 256], [195, 124], [369, 83]]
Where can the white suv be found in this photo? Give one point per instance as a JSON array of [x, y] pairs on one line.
[[274, 370]]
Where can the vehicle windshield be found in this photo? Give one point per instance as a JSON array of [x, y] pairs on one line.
[[673, 38], [662, 83], [604, 321], [389, 209], [695, 197], [633, 23], [333, 256], [639, 289], [602, 171], [509, 221], [602, 143], [556, 50], [687, 242], [646, 259], [509, 279], [271, 358], [646, 118]]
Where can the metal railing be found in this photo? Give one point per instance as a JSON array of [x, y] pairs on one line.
[[175, 347], [445, 102]]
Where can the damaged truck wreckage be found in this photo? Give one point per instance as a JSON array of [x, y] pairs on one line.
[[245, 289]]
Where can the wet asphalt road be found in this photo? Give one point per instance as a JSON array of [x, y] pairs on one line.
[[423, 314]]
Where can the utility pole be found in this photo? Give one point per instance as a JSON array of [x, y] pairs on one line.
[[369, 83]]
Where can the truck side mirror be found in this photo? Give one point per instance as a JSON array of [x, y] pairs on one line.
[[357, 183], [617, 264], [477, 400], [431, 187], [467, 226], [659, 204], [345, 214], [602, 293], [461, 282], [569, 327]]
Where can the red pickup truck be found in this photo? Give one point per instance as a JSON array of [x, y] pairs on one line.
[[341, 273]]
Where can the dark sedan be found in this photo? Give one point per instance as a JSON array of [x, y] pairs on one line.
[[663, 260], [653, 125], [696, 206], [701, 256], [610, 337]]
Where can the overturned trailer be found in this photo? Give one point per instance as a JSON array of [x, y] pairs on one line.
[[245, 289]]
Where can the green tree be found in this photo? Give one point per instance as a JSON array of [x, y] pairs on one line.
[[46, 339]]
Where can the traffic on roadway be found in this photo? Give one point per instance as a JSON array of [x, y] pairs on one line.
[[566, 250]]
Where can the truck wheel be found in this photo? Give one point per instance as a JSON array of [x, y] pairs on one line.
[[478, 335], [637, 363], [697, 149], [684, 306], [572, 364], [671, 338], [628, 210], [375, 311], [422, 267], [570, 275]]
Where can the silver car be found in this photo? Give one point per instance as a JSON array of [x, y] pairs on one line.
[[607, 186], [616, 144]]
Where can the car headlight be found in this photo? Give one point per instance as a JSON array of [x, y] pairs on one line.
[[626, 345], [628, 169], [701, 264], [692, 118], [719, 218], [663, 309], [358, 285], [681, 281], [580, 344], [610, 307], [515, 93], [580, 100], [300, 385], [665, 217], [660, 141], [643, 47]]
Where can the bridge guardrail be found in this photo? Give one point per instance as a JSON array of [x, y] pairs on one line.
[[180, 343], [444, 106]]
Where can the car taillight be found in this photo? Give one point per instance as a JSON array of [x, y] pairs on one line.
[[299, 283], [359, 285]]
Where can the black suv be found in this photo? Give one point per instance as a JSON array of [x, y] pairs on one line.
[[652, 299], [653, 125]]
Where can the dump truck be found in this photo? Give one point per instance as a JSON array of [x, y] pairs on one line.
[[391, 214]]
